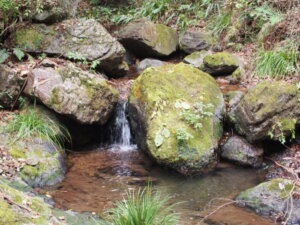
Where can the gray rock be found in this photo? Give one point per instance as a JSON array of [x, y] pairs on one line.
[[272, 199], [239, 151], [146, 63], [192, 41], [46, 165], [233, 98], [10, 86], [147, 39], [73, 92], [77, 39], [269, 111], [196, 58]]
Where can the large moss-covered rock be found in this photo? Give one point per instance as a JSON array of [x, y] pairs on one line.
[[77, 39], [71, 91], [192, 41], [147, 39], [220, 64], [239, 151], [270, 110], [19, 208], [175, 113], [273, 199], [10, 86], [44, 159]]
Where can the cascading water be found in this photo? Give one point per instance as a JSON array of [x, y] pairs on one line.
[[120, 134]]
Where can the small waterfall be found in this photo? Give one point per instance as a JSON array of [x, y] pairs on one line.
[[120, 134]]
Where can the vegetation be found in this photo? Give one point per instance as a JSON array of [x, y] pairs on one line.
[[277, 63], [144, 207], [32, 123]]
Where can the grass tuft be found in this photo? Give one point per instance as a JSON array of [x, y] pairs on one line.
[[144, 207], [276, 63], [31, 124]]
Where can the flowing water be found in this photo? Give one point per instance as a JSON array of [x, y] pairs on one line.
[[97, 179]]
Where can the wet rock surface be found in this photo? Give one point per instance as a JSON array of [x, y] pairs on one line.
[[273, 198], [236, 149], [146, 63]]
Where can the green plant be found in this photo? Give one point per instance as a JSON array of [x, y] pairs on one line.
[[277, 63], [212, 6], [31, 123], [19, 53], [4, 54], [144, 207], [221, 23], [278, 128]]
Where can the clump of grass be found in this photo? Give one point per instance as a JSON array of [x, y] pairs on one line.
[[144, 207], [32, 123], [221, 23], [277, 63]]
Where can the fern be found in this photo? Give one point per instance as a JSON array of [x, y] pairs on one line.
[[3, 55]]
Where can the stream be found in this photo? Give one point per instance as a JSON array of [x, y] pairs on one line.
[[100, 176]]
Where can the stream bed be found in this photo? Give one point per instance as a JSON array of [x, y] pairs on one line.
[[99, 178]]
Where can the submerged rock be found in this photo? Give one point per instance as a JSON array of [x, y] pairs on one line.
[[73, 92], [44, 160], [10, 86], [239, 151], [147, 39], [220, 64], [175, 113], [273, 199], [269, 111], [146, 63], [78, 39], [192, 41]]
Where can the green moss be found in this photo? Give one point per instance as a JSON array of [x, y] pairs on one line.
[[29, 38], [284, 187], [166, 40], [7, 215], [219, 59], [237, 74], [17, 153], [157, 89]]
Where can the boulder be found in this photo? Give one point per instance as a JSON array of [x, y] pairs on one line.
[[196, 58], [269, 111], [272, 199], [18, 207], [237, 150], [77, 39], [147, 39], [175, 113], [232, 99], [146, 63], [73, 92], [192, 41], [10, 86], [44, 160], [220, 64]]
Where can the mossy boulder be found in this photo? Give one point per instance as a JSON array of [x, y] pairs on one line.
[[196, 58], [192, 41], [44, 160], [79, 39], [175, 113], [270, 110], [273, 199], [18, 208], [10, 86], [70, 91], [237, 150], [220, 64], [147, 39]]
